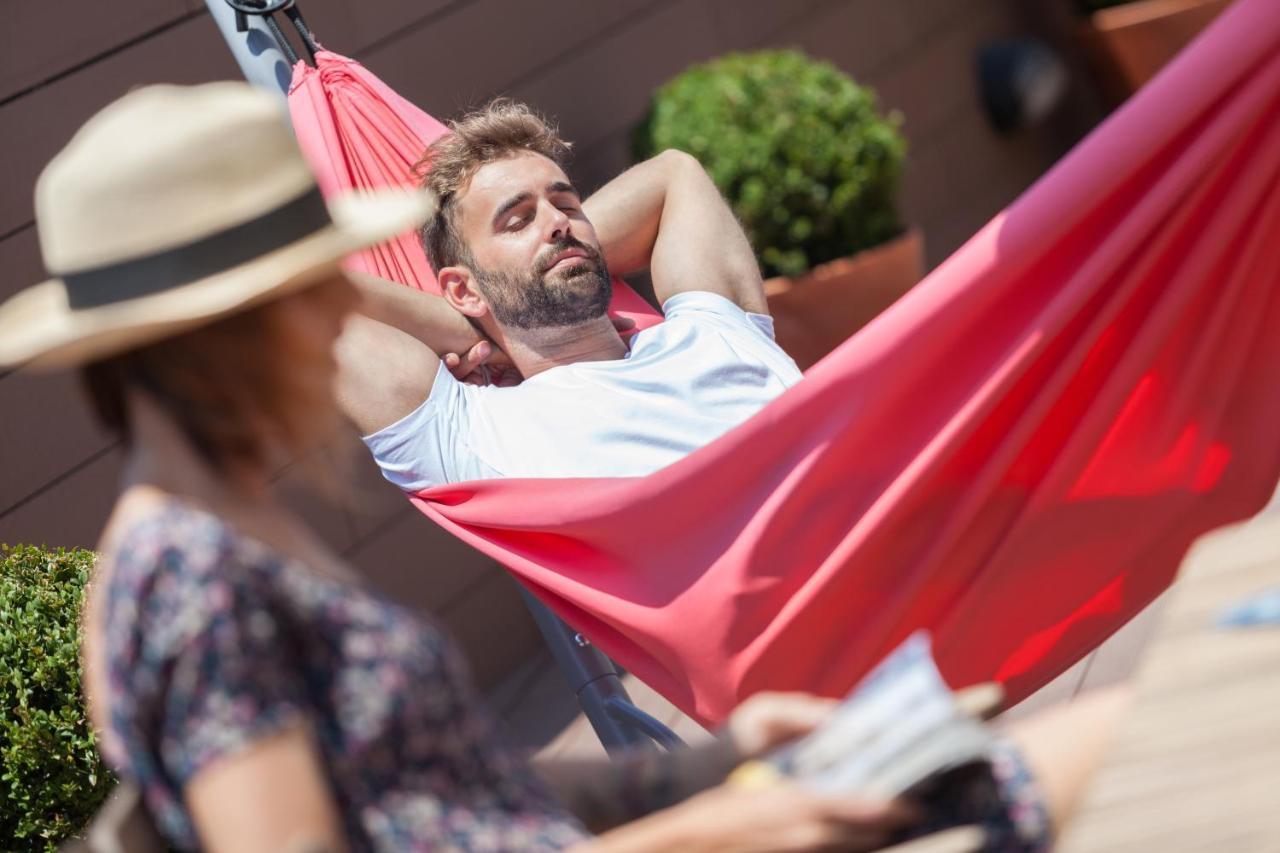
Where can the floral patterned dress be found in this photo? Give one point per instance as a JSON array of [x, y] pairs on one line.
[[213, 641]]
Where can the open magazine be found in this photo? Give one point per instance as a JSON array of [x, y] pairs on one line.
[[898, 730]]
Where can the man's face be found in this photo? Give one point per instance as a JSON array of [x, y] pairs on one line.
[[534, 254]]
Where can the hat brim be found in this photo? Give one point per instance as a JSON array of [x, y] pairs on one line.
[[39, 328]]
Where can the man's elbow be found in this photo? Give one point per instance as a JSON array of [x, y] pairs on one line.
[[383, 373], [679, 164]]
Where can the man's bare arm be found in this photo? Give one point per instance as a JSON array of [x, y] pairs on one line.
[[383, 373], [425, 316], [667, 215], [390, 352]]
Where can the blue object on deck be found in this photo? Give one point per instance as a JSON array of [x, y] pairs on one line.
[[1262, 609]]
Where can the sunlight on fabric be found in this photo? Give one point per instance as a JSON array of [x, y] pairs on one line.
[[1134, 458]]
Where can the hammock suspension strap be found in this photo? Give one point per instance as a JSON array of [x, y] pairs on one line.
[[267, 9]]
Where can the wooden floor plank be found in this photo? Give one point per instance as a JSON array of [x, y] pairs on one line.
[[1195, 765]]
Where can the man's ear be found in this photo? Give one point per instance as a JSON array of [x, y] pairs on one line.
[[459, 288]]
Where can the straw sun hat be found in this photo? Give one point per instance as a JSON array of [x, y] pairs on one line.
[[174, 206]]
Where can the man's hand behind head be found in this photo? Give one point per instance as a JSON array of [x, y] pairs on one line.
[[486, 364], [482, 364]]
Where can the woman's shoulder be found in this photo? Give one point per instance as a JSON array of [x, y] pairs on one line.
[[173, 568], [172, 538]]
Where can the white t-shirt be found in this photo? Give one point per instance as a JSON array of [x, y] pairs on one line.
[[686, 381]]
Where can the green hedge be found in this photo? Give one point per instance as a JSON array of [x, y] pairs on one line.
[[809, 165], [51, 778]]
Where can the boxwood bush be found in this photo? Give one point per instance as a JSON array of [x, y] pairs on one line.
[[801, 151], [51, 779]]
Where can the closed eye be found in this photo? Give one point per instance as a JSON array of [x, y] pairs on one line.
[[564, 196]]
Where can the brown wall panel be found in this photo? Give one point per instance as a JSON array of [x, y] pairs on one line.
[[977, 156], [927, 184], [35, 127], [70, 512], [46, 430], [745, 24], [859, 36], [416, 562], [370, 500], [323, 512], [349, 27], [20, 264], [594, 166], [494, 628], [41, 40], [605, 88], [374, 20], [468, 56], [928, 16], [933, 85]]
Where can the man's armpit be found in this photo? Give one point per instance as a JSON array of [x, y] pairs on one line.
[[383, 373]]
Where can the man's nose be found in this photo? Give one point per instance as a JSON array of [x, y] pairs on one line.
[[559, 223]]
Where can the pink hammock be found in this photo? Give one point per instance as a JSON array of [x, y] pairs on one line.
[[1016, 455]]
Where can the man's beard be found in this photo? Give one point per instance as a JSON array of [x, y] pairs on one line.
[[531, 301]]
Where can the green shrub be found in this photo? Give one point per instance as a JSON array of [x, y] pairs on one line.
[[797, 147], [51, 779]]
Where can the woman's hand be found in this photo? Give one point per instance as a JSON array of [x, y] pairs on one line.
[[768, 720]]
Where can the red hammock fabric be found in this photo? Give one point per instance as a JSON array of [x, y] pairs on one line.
[[1015, 456]]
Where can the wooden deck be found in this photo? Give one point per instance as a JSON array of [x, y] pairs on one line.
[[1195, 764]]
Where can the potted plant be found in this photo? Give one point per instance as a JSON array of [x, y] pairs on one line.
[[811, 168], [1130, 40]]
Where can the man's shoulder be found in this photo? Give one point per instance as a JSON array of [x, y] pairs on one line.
[[702, 308], [701, 302]]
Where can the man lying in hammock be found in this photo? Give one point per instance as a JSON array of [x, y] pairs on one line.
[[523, 262]]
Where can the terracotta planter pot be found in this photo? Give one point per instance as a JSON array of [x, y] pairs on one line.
[[817, 312], [1130, 43]]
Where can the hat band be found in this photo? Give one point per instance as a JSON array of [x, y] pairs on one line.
[[191, 262]]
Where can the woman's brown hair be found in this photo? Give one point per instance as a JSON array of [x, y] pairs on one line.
[[232, 388]]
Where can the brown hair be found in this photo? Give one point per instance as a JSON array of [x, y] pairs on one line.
[[498, 130], [233, 388]]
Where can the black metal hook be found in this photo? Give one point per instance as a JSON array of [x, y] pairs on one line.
[[265, 9]]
